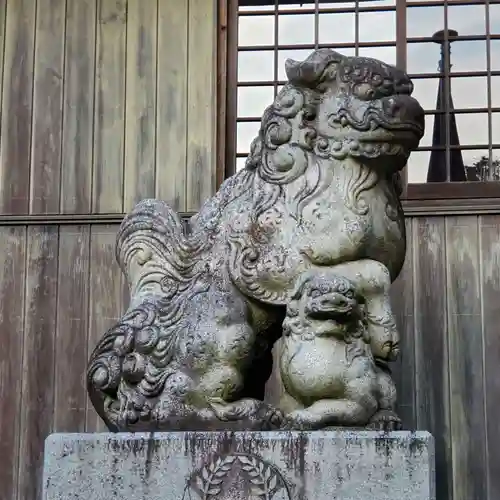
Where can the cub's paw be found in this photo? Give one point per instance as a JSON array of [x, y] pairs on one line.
[[385, 420]]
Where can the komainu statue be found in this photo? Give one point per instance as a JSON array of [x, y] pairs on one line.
[[301, 245]]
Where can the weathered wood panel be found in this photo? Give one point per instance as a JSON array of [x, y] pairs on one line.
[[12, 294], [17, 102], [109, 118], [105, 302], [37, 402], [94, 116], [171, 120], [202, 117], [404, 369], [490, 293], [72, 329], [79, 81], [47, 106], [140, 115], [467, 416], [106, 102], [431, 341]]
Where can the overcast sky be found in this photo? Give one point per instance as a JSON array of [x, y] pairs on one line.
[[468, 92]]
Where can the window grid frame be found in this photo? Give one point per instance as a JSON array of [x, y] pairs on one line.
[[401, 43]]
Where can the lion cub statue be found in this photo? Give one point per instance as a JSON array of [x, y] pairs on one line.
[[328, 370]]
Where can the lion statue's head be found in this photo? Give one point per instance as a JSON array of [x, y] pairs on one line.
[[336, 107], [324, 172]]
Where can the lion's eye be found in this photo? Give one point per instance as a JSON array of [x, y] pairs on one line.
[[377, 80], [322, 144]]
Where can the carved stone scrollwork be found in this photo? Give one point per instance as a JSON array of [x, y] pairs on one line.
[[315, 206]]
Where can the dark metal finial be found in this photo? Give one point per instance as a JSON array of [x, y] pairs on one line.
[[445, 38]]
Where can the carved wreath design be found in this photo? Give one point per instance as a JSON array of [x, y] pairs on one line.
[[211, 476], [263, 478]]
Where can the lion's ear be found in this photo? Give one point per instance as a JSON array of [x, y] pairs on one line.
[[309, 73]]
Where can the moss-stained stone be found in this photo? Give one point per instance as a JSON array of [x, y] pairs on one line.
[[343, 465]]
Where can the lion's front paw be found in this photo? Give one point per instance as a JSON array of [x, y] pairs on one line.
[[253, 413], [272, 418], [385, 420]]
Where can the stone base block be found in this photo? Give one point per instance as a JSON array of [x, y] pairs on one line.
[[240, 466]]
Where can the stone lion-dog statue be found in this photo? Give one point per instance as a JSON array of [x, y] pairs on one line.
[[319, 193]]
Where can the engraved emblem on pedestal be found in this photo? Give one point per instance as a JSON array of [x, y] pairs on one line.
[[239, 476]]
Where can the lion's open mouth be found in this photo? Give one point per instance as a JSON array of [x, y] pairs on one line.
[[373, 121], [400, 129], [405, 137], [393, 119]]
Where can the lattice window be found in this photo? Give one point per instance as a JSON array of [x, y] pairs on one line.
[[470, 76], [400, 33]]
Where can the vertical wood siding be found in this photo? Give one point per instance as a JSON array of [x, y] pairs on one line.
[[447, 304], [60, 289], [106, 102]]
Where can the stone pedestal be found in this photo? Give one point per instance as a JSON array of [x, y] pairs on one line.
[[239, 466]]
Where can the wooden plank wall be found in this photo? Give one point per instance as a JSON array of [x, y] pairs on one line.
[[106, 102], [447, 300], [102, 103], [60, 289]]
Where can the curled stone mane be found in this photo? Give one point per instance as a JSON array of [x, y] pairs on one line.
[[279, 153], [288, 136]]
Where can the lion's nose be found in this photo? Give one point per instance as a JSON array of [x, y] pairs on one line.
[[404, 109], [413, 111], [402, 83]]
